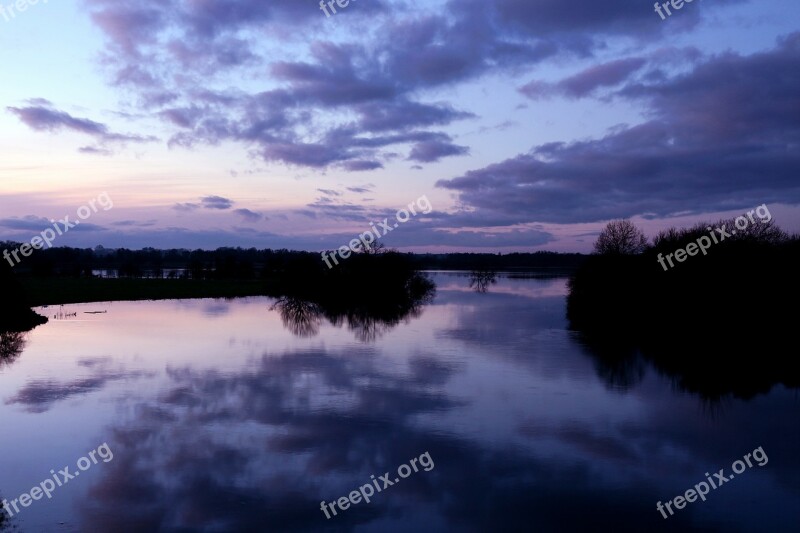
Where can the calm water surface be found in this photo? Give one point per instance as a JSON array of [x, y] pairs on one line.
[[222, 417]]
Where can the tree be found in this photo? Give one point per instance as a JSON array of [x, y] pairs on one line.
[[620, 237], [373, 248]]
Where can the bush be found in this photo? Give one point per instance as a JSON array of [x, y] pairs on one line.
[[620, 237]]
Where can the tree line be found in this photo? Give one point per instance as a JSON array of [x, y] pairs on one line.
[[251, 263]]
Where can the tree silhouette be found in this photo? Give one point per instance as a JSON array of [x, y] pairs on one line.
[[480, 279], [15, 315], [301, 317], [620, 237], [377, 247], [11, 345]]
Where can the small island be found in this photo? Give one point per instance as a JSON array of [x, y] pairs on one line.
[[719, 321]]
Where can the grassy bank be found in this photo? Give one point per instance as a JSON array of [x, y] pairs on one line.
[[56, 291]]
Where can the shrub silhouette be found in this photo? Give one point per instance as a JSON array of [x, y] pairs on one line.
[[717, 324], [620, 237], [15, 314]]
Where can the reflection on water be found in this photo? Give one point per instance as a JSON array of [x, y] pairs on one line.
[[715, 368], [480, 280], [299, 316], [11, 345], [38, 396], [318, 419], [368, 318], [247, 420]]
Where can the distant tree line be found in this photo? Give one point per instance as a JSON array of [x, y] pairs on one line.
[[251, 263]]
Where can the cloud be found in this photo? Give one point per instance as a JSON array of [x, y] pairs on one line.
[[432, 151], [216, 202], [249, 216], [38, 224], [29, 222], [425, 235], [41, 102], [584, 83], [134, 223], [40, 395], [94, 150], [361, 94], [186, 207], [361, 189], [724, 135], [361, 165], [47, 118], [404, 114], [315, 155]]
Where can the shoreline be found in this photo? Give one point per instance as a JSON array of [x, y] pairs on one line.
[[63, 291]]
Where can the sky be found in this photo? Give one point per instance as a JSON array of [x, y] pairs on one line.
[[526, 124]]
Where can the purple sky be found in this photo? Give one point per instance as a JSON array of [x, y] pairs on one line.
[[527, 123]]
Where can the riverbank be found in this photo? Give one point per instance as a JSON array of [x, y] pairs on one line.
[[363, 278], [59, 291], [718, 324]]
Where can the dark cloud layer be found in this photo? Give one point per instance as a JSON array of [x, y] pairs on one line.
[[376, 85], [171, 55], [724, 135]]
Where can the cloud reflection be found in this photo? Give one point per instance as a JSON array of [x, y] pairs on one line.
[[258, 449], [39, 396]]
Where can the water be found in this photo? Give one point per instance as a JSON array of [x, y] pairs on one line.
[[222, 418]]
